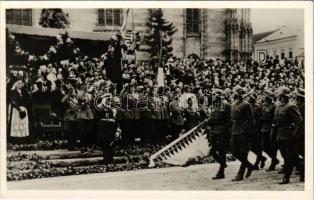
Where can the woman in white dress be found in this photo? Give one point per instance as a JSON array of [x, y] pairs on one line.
[[18, 116]]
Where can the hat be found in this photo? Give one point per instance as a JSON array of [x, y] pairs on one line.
[[283, 91], [300, 92], [218, 92], [238, 90], [269, 93]]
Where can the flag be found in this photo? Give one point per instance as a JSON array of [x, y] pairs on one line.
[[190, 146], [125, 19], [160, 77]]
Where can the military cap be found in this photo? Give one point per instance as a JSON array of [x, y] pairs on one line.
[[283, 91], [218, 92], [239, 90]]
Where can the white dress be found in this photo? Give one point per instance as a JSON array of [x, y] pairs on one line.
[[19, 127]]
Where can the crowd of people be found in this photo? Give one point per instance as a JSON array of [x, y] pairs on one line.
[[94, 111]]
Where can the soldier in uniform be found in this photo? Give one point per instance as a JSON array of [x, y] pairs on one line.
[[219, 137], [300, 136], [71, 105], [242, 118], [106, 128], [266, 120], [255, 140], [287, 122]]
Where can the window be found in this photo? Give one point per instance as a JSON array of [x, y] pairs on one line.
[[19, 16], [290, 53], [282, 54], [110, 17], [274, 52], [192, 20]]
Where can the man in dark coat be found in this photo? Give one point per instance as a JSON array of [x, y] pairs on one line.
[[255, 144], [266, 120], [287, 123], [242, 117], [220, 124], [300, 136], [106, 131]]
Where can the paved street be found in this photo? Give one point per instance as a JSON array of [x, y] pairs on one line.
[[197, 177]]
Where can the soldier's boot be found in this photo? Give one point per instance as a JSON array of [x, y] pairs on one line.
[[285, 180], [281, 171], [239, 176], [220, 174], [255, 166], [263, 160], [273, 164], [249, 170]]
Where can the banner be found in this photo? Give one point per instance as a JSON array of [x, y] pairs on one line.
[[160, 77]]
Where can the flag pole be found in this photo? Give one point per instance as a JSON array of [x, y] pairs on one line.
[[160, 51]]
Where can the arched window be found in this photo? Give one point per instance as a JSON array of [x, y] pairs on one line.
[[19, 16], [192, 20], [110, 17]]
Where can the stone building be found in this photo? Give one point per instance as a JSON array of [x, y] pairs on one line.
[[282, 43], [207, 33]]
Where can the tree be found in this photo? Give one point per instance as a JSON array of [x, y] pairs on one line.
[[160, 36], [53, 18]]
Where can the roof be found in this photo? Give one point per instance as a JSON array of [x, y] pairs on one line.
[[282, 33], [53, 32], [259, 36]]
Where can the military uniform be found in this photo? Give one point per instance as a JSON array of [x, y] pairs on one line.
[[255, 139], [70, 120], [287, 121], [300, 147], [220, 129], [242, 118], [130, 117], [106, 128], [268, 146]]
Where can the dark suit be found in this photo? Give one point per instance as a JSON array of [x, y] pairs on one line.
[[287, 121]]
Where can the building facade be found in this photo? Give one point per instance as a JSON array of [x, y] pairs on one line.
[[207, 33], [283, 43]]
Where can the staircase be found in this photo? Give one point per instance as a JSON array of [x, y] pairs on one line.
[[49, 163]]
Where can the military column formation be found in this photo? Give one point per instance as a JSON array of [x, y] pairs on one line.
[[267, 124]]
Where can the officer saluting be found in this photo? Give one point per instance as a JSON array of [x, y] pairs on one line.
[[242, 118], [287, 121], [220, 124]]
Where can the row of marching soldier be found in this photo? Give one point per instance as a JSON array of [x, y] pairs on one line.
[[275, 123]]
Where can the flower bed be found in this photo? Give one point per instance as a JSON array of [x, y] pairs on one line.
[[39, 145], [22, 166]]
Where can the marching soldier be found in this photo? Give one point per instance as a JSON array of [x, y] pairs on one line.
[[300, 136], [255, 140], [220, 124], [266, 119], [242, 117], [287, 123]]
